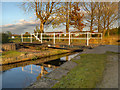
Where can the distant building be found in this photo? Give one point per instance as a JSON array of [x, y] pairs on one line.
[[12, 37]]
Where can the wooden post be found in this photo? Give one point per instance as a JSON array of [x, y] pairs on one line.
[[69, 38], [41, 37], [22, 37], [31, 38], [54, 39]]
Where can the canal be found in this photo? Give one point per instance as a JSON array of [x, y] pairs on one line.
[[21, 75]]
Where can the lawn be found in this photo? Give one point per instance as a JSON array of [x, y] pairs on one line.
[[86, 74]]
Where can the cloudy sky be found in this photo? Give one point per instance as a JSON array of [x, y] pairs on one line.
[[16, 20]]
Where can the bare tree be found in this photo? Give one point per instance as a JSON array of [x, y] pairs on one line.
[[76, 17], [109, 15], [44, 10], [62, 16], [102, 15], [98, 15], [89, 8], [67, 17]]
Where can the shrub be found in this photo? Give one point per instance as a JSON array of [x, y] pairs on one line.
[[114, 31], [5, 38]]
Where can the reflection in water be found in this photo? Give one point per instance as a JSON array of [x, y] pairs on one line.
[[68, 57], [21, 75], [43, 72], [31, 70], [38, 61]]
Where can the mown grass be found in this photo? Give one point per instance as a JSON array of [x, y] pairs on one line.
[[86, 74]]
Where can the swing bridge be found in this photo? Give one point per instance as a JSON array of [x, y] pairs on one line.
[[69, 36]]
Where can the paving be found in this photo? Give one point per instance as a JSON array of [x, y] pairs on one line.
[[102, 49], [110, 77]]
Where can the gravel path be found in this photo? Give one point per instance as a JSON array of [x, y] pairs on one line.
[[110, 77]]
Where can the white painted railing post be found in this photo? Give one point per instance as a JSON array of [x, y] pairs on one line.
[[41, 37], [87, 39], [69, 38], [22, 37], [37, 34], [31, 38], [101, 36], [54, 39], [59, 37]]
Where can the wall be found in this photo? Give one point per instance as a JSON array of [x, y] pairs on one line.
[[10, 46]]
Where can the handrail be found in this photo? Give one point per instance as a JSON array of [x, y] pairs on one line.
[[70, 36]]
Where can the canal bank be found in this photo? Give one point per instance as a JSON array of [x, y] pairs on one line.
[[36, 52], [32, 56], [66, 75]]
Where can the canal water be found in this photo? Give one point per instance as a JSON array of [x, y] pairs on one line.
[[21, 75]]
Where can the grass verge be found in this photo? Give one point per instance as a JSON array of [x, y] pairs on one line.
[[11, 53], [86, 74]]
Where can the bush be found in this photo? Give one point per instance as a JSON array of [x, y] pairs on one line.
[[114, 31], [5, 38]]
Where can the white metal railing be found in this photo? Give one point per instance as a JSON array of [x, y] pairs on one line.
[[63, 36]]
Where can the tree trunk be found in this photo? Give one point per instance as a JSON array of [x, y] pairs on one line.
[[104, 31], [41, 27], [67, 18], [108, 27], [91, 27], [108, 33], [99, 24]]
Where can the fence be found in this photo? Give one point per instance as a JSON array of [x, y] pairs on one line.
[[86, 36]]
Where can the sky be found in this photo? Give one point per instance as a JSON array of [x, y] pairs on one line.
[[16, 20]]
